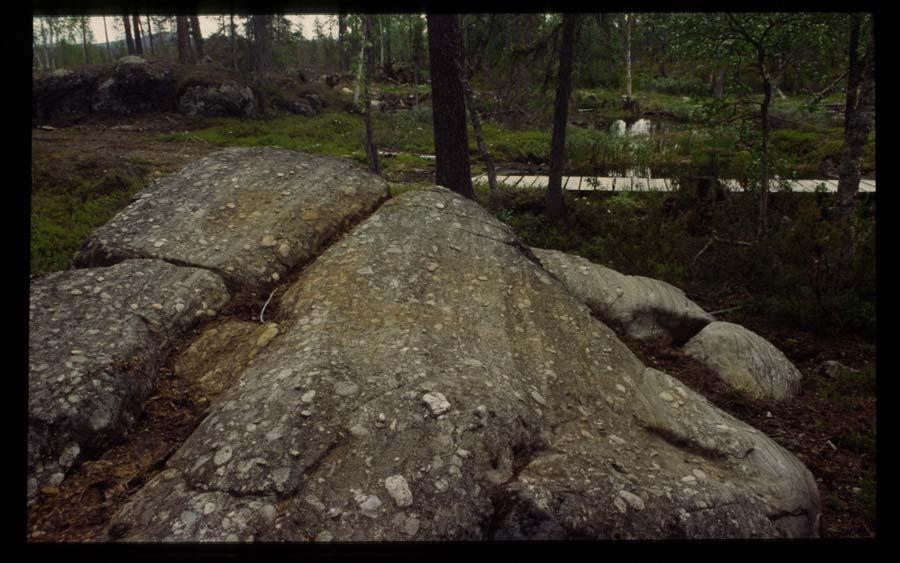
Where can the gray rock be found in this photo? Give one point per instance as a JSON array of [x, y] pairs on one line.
[[643, 308], [534, 470], [216, 212], [63, 92], [226, 99], [745, 361], [136, 86], [96, 338], [833, 368]]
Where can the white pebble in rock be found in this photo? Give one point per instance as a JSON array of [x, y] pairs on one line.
[[632, 499], [370, 505], [436, 402], [223, 455], [398, 488]]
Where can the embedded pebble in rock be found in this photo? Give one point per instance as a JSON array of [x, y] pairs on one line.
[[411, 526], [87, 401], [233, 200], [370, 506], [632, 499], [398, 488], [345, 388], [529, 475], [539, 398], [223, 455], [436, 402]]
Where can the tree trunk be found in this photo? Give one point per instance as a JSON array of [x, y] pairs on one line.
[[150, 35], [181, 31], [44, 43], [762, 224], [342, 26], [262, 26], [555, 202], [360, 71], [387, 46], [370, 61], [859, 123], [128, 39], [719, 82], [84, 49], [381, 41], [234, 60], [106, 34], [417, 53], [138, 35], [52, 46], [198, 36], [462, 66], [627, 58], [451, 141], [371, 150]]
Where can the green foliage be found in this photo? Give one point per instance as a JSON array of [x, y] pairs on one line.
[[62, 218], [809, 273]]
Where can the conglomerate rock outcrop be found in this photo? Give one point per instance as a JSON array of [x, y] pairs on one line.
[[429, 380]]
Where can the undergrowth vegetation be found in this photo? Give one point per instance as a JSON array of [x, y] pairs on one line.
[[810, 272], [62, 216]]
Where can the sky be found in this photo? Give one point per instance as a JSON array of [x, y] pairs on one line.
[[208, 25]]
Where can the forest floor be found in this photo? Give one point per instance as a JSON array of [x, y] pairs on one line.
[[86, 169]]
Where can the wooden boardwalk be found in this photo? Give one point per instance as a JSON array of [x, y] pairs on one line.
[[636, 184]]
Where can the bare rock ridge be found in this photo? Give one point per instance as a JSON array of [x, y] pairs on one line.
[[427, 381], [248, 214], [134, 85], [653, 310], [243, 218]]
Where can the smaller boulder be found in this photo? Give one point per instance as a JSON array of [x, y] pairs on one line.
[[136, 86], [642, 308], [746, 361], [213, 100], [62, 92], [832, 369]]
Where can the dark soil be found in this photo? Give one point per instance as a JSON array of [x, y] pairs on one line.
[[90, 146]]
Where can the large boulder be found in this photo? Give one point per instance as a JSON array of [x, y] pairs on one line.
[[430, 381], [136, 86], [642, 308], [746, 361], [63, 92], [249, 214], [211, 100], [96, 339]]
